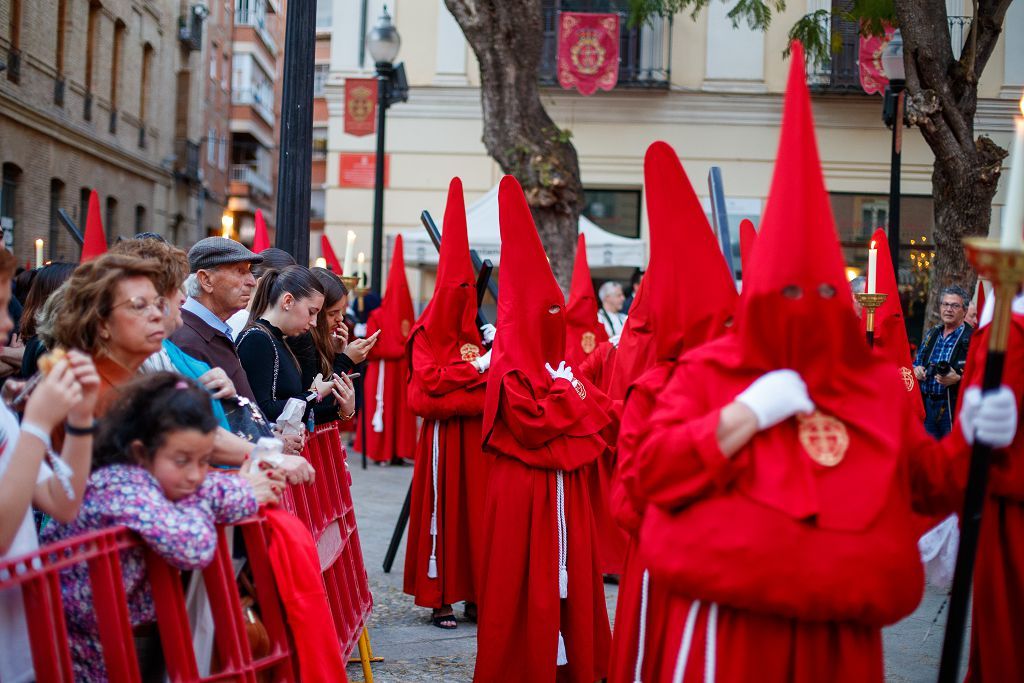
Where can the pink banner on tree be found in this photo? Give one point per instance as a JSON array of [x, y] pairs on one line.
[[588, 51], [872, 76]]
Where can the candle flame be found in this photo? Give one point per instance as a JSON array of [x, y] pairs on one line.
[[1021, 103], [872, 244]]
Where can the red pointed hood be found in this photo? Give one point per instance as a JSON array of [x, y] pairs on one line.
[[583, 331], [95, 241], [449, 320], [328, 253], [890, 327], [395, 315], [262, 239], [748, 237], [687, 297], [797, 312]]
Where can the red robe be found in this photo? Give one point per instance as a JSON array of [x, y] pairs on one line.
[[521, 614], [796, 600], [451, 400], [997, 627]]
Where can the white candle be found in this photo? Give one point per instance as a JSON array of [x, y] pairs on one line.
[[350, 243], [361, 272], [1011, 235], [321, 262], [39, 253], [872, 268]]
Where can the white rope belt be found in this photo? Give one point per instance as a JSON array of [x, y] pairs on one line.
[[432, 564], [642, 638], [710, 644], [378, 413], [563, 556]]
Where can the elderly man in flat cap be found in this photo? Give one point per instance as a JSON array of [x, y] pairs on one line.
[[223, 286]]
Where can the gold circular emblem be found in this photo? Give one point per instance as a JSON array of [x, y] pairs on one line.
[[405, 327], [908, 378], [588, 341], [824, 438], [580, 389], [469, 352], [360, 103], [587, 54]]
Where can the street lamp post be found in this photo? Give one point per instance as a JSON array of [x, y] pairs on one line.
[[892, 115], [383, 43]]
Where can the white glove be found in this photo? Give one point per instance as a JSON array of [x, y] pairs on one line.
[[776, 396], [487, 332], [614, 339], [483, 362], [359, 330], [562, 372], [991, 416]]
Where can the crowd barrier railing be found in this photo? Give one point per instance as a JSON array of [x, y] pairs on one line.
[[37, 575], [326, 508]]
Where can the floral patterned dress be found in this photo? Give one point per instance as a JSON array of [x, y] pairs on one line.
[[182, 532]]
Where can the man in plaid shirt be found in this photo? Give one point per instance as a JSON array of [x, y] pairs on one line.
[[940, 361]]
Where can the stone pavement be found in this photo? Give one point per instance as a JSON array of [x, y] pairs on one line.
[[413, 650]]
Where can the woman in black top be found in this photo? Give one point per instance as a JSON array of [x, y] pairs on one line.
[[46, 282], [286, 304]]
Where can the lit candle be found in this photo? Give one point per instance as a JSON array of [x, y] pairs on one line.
[[361, 272], [872, 268], [39, 253], [350, 243], [1012, 234], [321, 262]]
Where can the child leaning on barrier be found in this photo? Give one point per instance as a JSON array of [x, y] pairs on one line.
[[151, 473]]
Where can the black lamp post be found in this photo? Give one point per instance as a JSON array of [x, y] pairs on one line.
[[892, 115], [383, 42]]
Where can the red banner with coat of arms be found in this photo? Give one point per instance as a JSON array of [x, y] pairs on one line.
[[360, 106], [588, 51], [872, 75]]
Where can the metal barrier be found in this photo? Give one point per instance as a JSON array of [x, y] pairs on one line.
[[327, 510], [38, 577]]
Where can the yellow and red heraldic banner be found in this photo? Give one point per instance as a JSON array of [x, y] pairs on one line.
[[360, 106], [588, 51]]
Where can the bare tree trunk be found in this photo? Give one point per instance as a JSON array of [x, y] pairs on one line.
[[507, 37], [943, 98]]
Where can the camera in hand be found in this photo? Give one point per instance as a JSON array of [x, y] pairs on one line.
[[943, 368]]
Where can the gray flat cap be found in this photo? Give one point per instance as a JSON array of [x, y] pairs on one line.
[[217, 251]]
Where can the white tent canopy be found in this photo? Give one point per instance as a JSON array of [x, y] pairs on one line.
[[604, 249]]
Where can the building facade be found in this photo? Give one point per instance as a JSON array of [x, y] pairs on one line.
[[712, 90]]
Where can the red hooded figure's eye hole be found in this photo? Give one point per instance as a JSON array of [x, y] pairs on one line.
[[792, 292], [554, 309], [826, 291], [728, 322]]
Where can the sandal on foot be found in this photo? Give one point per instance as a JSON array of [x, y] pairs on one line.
[[445, 621]]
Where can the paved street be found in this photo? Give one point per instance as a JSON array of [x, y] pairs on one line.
[[413, 650]]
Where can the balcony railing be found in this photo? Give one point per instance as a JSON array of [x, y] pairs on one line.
[[841, 71], [262, 103], [186, 164], [241, 173], [644, 52]]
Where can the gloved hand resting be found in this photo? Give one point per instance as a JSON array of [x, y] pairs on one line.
[[776, 396], [483, 362], [562, 372], [992, 416], [487, 332]]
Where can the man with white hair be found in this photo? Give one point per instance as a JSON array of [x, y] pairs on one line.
[[611, 315]]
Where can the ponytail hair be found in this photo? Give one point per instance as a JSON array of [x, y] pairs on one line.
[[294, 280]]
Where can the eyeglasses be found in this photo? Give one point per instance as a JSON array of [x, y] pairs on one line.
[[139, 305], [947, 304]]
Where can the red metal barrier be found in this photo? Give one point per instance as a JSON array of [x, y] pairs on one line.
[[38, 576], [327, 510]]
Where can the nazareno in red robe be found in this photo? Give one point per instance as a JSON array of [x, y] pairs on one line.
[[388, 429], [997, 625], [446, 519], [784, 561], [685, 258], [542, 609], [583, 330]]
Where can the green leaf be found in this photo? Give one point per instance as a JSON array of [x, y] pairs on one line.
[[813, 30]]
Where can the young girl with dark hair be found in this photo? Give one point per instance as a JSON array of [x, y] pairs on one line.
[[151, 473], [286, 304]]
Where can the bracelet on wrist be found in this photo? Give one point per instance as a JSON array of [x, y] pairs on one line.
[[347, 417], [38, 432], [72, 430]]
